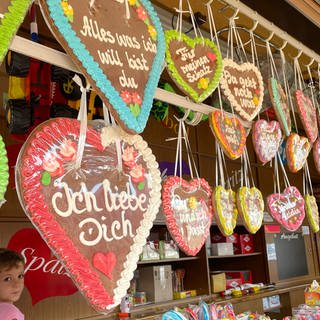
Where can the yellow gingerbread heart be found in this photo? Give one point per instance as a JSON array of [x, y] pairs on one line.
[[251, 207], [312, 212], [225, 209]]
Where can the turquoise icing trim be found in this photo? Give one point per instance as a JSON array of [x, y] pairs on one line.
[[136, 124]]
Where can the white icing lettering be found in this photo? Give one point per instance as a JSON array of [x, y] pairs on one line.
[[137, 63], [127, 82], [110, 56]]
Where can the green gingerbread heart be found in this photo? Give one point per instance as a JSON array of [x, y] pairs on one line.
[[12, 13], [195, 65]]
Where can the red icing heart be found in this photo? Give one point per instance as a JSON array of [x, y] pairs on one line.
[[297, 151], [242, 85], [105, 262], [287, 208], [188, 211], [229, 132], [266, 137], [45, 276], [308, 115], [316, 154], [97, 208]]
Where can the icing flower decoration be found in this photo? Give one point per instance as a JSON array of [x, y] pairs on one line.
[[142, 15], [203, 83], [152, 31], [68, 149], [129, 157], [137, 173], [192, 203], [132, 2], [126, 96], [136, 98], [67, 10], [52, 165]]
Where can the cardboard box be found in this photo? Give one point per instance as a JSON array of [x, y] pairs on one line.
[[244, 275], [246, 242], [234, 238], [184, 294], [222, 249], [312, 298], [218, 282], [156, 281]]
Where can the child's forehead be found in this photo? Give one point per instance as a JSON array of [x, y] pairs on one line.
[[16, 267]]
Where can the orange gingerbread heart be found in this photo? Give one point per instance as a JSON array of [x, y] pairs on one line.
[[229, 132], [297, 151], [225, 209]]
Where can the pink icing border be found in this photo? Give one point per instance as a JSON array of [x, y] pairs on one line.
[[168, 184], [304, 104], [256, 132], [88, 281], [292, 190], [316, 154]]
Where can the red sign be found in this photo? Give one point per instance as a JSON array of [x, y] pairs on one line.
[[44, 274]]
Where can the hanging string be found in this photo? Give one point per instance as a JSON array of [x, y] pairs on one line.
[[286, 180], [249, 166], [287, 89], [273, 67], [254, 52], [109, 121], [82, 117], [312, 87], [276, 184]]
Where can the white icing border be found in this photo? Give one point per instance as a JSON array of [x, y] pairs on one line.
[[227, 92], [110, 135]]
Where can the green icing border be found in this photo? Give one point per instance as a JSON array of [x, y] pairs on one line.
[[4, 171], [175, 35], [10, 23]]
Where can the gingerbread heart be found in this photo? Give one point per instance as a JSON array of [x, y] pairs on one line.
[[266, 138], [251, 208], [242, 85], [195, 65], [316, 154], [280, 105], [312, 212], [188, 211], [4, 171], [95, 218], [121, 56], [225, 209], [308, 115], [229, 132], [297, 151], [287, 208], [12, 13]]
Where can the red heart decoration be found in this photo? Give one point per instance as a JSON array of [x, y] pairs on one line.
[[188, 212], [297, 151], [316, 154], [44, 274], [308, 115], [97, 208], [105, 262], [266, 137], [287, 208], [229, 132]]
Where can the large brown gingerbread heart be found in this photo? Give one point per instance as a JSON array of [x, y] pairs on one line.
[[95, 218], [118, 45]]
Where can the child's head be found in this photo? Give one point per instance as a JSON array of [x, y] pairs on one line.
[[11, 275]]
